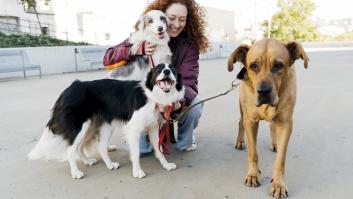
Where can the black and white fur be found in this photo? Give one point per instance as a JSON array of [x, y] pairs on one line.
[[87, 113], [152, 27]]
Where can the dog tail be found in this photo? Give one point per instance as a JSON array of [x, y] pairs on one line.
[[49, 147]]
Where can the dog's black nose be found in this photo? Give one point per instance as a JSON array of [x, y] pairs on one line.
[[264, 89], [160, 29], [166, 71]]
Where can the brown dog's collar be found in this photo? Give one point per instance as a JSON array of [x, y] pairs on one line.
[[242, 75]]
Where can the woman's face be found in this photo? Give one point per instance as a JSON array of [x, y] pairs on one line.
[[176, 14]]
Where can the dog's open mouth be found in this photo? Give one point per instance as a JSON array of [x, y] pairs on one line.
[[165, 84], [161, 35]]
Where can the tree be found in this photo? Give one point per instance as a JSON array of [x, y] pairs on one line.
[[292, 22], [32, 4]]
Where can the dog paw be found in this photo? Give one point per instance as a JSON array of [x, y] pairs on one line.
[[113, 165], [240, 145], [112, 148], [90, 161], [77, 174], [138, 173], [252, 181], [169, 166], [278, 190]]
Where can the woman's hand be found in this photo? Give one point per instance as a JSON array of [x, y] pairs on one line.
[[146, 48], [150, 48], [176, 106]]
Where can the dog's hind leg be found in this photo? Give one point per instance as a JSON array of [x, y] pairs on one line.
[[104, 136], [112, 148], [240, 143], [89, 142], [73, 150], [273, 137], [153, 134]]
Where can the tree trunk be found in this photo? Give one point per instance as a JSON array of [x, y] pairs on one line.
[[40, 25]]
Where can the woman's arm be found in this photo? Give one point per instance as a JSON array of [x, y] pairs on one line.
[[189, 69], [122, 51], [117, 53]]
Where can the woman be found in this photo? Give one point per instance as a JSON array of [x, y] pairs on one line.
[[186, 28]]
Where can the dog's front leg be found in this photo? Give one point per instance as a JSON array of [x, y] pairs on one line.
[[133, 139], [253, 177], [283, 133], [153, 133]]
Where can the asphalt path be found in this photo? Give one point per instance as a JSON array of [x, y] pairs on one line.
[[319, 159]]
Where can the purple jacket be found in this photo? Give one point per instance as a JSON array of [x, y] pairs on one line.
[[187, 64]]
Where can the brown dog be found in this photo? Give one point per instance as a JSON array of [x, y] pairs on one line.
[[267, 92]]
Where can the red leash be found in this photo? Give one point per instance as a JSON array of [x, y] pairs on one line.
[[150, 61], [164, 136]]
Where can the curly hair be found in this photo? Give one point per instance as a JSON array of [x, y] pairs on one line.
[[195, 22]]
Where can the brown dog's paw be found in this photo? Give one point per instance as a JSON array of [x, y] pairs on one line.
[[278, 190], [239, 145], [252, 181]]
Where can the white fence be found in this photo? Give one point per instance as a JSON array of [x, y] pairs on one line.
[[67, 59]]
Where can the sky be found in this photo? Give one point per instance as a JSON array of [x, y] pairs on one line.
[[326, 9], [246, 11]]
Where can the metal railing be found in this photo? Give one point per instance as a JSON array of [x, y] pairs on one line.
[[218, 50], [25, 26]]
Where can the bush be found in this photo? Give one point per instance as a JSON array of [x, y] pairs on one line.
[[10, 41]]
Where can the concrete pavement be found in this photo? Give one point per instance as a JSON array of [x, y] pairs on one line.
[[319, 159]]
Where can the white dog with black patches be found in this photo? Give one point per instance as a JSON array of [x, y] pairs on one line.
[[86, 114], [152, 27]]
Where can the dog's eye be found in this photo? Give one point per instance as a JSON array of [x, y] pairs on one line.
[[150, 21], [163, 19], [277, 66], [253, 66]]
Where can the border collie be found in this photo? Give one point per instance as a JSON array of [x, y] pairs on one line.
[[151, 27], [86, 114]]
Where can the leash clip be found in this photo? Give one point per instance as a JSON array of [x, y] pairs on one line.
[[234, 84]]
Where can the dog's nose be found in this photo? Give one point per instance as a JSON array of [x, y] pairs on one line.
[[166, 72], [160, 29], [264, 89]]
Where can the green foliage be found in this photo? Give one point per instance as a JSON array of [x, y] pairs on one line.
[[10, 41], [29, 3], [32, 3], [293, 22], [345, 37]]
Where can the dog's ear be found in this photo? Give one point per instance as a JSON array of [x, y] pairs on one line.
[[179, 84], [296, 51], [167, 19], [149, 80], [238, 55], [140, 24]]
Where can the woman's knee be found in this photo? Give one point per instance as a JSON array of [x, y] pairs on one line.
[[194, 113]]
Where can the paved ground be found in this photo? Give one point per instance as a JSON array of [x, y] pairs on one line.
[[319, 160]]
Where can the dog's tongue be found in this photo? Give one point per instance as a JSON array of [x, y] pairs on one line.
[[164, 85]]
